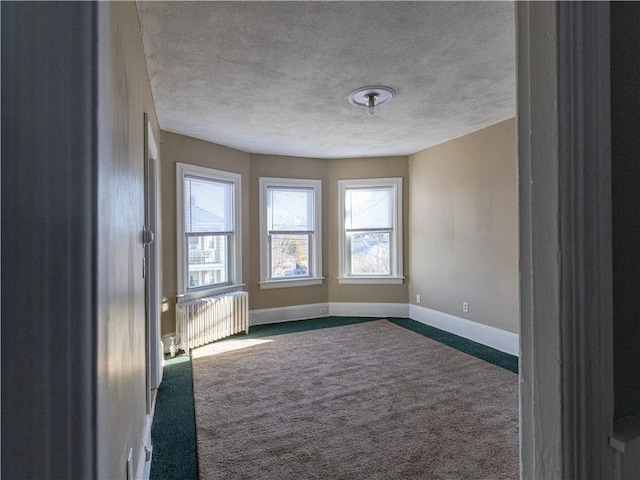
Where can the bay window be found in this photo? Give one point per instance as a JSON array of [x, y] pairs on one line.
[[370, 248], [290, 232], [209, 246]]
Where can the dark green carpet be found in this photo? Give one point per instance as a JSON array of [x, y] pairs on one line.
[[173, 432], [488, 354]]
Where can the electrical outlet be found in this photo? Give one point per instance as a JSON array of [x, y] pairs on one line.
[[323, 310], [465, 307], [418, 298]]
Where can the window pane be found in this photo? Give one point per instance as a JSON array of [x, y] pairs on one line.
[[370, 253], [207, 205], [290, 209], [207, 260], [289, 256], [369, 208]]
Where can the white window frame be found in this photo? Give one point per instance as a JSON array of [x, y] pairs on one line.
[[395, 276], [315, 246], [235, 260]]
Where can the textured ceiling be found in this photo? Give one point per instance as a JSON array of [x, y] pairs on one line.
[[274, 77]]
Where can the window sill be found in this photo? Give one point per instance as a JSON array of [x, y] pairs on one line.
[[364, 280], [290, 283], [208, 292]]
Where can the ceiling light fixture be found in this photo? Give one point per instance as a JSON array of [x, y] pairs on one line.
[[371, 97]]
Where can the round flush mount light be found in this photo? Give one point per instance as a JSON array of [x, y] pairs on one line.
[[371, 97]]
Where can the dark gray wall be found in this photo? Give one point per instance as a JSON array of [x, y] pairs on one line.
[[625, 139], [48, 247]]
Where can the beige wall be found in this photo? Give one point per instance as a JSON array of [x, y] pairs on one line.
[[353, 168], [181, 149], [125, 95], [463, 233], [460, 223]]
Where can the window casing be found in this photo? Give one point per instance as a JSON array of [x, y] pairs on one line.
[[370, 246], [290, 232], [209, 240]]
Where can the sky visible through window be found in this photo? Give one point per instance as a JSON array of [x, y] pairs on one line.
[[369, 208], [369, 220], [290, 209]]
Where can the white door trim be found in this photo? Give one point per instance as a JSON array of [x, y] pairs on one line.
[[155, 350], [565, 239]]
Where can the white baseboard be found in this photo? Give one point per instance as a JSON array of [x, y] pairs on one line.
[[288, 314], [143, 469], [317, 310], [351, 309], [490, 336]]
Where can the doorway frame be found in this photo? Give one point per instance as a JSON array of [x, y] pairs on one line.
[[153, 269], [566, 300]]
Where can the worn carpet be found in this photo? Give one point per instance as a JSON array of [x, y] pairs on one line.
[[363, 401]]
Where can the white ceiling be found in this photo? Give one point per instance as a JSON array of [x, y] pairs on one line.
[[274, 77]]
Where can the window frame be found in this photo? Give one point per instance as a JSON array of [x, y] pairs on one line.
[[234, 246], [395, 275], [315, 244]]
